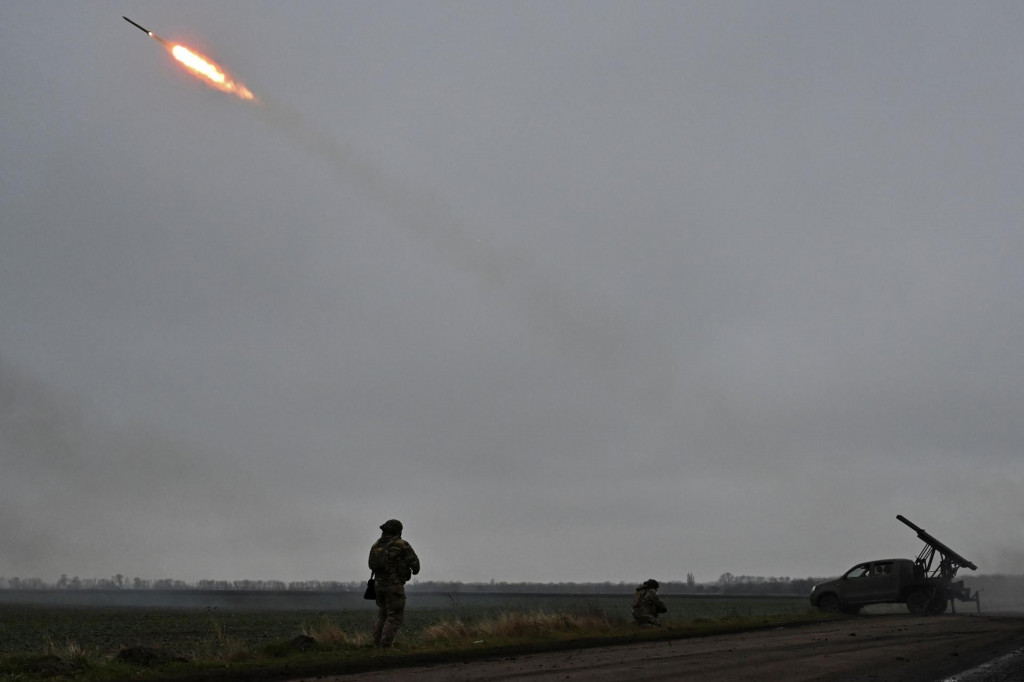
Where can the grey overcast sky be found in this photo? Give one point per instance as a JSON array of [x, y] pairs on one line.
[[580, 291]]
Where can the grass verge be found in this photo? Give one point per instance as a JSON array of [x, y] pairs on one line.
[[324, 647]]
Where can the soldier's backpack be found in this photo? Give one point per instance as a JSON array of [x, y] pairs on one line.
[[379, 556]]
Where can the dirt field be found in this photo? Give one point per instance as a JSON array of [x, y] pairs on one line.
[[882, 648]]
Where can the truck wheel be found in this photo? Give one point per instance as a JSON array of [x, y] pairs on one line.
[[917, 602], [829, 603]]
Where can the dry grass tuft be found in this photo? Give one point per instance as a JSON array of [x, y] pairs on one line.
[[68, 651], [59, 659], [226, 647], [330, 634], [445, 631], [519, 624]]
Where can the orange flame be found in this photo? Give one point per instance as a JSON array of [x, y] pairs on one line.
[[208, 70]]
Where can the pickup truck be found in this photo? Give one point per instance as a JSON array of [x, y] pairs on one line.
[[886, 581]]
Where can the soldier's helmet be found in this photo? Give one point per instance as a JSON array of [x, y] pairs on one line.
[[392, 527], [652, 583]]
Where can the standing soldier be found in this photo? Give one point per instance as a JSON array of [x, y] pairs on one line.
[[647, 604], [393, 563]]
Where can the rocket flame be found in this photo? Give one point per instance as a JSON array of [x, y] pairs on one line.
[[209, 71]]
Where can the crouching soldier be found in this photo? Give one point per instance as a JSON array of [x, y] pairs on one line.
[[393, 563], [647, 604]]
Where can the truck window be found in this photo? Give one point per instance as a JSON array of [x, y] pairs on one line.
[[858, 572]]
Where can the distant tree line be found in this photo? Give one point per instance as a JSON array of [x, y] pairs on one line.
[[120, 582], [998, 591], [726, 584]]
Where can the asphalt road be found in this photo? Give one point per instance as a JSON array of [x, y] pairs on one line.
[[874, 648]]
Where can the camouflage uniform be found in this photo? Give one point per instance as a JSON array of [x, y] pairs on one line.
[[647, 604], [393, 563]]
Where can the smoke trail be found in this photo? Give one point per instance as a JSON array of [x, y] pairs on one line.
[[548, 308]]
